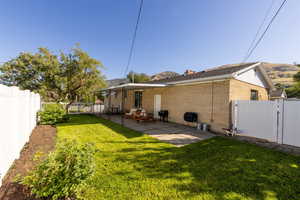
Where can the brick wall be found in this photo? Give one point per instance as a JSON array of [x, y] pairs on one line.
[[209, 100], [240, 90], [212, 101]]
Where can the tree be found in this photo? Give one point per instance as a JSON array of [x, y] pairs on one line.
[[294, 91], [137, 77], [63, 77]]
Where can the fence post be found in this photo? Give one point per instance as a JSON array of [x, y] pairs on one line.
[[280, 113], [234, 115]]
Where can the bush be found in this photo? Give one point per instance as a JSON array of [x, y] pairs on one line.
[[52, 114], [63, 173]]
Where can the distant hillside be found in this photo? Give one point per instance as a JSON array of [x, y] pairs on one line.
[[162, 75], [281, 73]]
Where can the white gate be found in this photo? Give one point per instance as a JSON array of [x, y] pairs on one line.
[[276, 121]]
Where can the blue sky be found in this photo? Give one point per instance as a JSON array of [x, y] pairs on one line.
[[173, 35]]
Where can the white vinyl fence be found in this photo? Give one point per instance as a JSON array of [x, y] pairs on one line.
[[276, 121], [17, 119], [86, 108]]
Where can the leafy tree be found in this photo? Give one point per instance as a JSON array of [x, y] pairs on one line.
[[297, 77], [64, 77], [137, 77], [294, 91]]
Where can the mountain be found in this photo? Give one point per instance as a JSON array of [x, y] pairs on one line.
[[281, 73], [162, 75]]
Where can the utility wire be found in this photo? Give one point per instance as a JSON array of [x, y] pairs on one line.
[[134, 37], [259, 28], [265, 31]]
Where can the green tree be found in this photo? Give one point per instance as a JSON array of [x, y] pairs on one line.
[[60, 78], [294, 91], [297, 77], [137, 77]]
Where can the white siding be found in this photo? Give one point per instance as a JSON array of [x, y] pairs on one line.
[[252, 76]]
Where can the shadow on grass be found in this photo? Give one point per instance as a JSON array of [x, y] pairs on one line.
[[225, 168], [88, 119], [218, 167]]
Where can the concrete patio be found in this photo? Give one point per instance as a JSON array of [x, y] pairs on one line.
[[173, 133]]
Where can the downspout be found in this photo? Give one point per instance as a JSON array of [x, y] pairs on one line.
[[212, 102], [122, 110], [109, 104]]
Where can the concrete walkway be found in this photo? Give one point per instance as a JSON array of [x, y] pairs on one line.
[[176, 134]]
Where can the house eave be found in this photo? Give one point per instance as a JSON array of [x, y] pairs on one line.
[[200, 80], [135, 86]]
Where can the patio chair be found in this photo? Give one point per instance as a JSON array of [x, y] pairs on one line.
[[131, 113], [142, 115]]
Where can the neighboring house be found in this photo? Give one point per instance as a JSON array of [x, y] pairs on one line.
[[277, 94], [208, 93]]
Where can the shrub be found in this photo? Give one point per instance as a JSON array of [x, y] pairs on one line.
[[63, 173], [52, 114]]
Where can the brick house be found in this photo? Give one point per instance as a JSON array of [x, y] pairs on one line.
[[208, 93]]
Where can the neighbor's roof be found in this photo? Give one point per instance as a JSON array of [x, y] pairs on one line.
[[217, 71], [276, 93]]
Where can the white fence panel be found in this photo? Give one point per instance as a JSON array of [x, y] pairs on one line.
[[291, 123], [17, 119], [277, 121], [256, 119]]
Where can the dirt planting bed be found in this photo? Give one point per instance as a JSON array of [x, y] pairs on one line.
[[42, 140]]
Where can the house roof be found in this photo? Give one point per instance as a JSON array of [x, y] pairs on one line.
[[117, 81], [276, 93], [135, 86], [217, 71]]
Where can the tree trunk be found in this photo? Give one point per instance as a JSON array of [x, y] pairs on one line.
[[67, 107]]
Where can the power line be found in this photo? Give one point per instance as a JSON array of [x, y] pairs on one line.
[[265, 31], [259, 28], [134, 37]]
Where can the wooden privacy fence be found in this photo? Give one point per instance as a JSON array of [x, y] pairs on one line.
[[17, 119], [276, 121]]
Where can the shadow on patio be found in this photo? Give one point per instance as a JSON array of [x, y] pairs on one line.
[[176, 134]]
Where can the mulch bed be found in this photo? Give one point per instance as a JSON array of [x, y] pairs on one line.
[[42, 140]]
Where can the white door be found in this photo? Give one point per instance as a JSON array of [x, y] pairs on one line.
[[157, 104]]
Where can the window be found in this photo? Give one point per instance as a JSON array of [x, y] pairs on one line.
[[125, 93], [254, 95], [138, 99]]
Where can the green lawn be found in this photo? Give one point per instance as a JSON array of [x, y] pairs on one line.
[[131, 165]]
